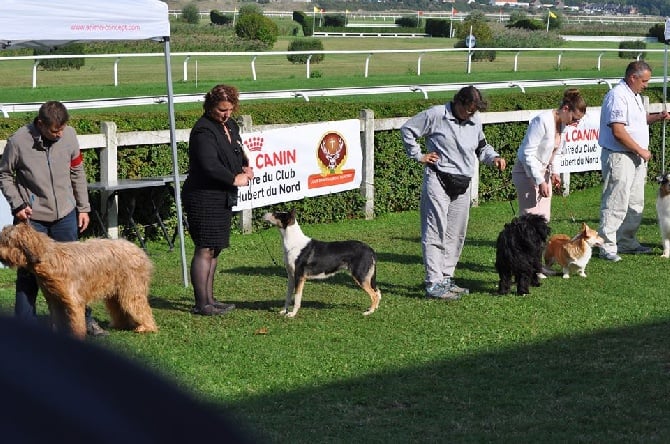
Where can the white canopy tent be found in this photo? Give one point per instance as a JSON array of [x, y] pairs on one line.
[[40, 24]]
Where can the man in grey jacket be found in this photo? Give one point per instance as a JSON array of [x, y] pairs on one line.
[[454, 141], [43, 179]]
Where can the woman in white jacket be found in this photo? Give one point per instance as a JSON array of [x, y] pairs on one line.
[[533, 174]]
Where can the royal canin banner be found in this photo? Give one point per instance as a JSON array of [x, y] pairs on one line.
[[301, 161], [579, 150]]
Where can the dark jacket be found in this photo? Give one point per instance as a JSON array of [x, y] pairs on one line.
[[213, 160]]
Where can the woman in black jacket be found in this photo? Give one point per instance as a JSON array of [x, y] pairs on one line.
[[217, 167]]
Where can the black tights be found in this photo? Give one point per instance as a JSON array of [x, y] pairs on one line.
[[203, 267]]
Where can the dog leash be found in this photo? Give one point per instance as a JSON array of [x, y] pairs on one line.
[[567, 207], [247, 154], [265, 244]]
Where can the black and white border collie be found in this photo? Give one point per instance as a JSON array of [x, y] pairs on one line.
[[306, 258]]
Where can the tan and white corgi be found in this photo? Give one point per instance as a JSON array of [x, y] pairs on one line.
[[663, 212], [572, 253]]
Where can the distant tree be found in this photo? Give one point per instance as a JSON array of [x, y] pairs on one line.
[[658, 31], [437, 27], [634, 48], [476, 22], [517, 15], [527, 23], [252, 26], [407, 21], [190, 13], [305, 44], [250, 8], [219, 18], [555, 19], [334, 20], [62, 64], [480, 29]]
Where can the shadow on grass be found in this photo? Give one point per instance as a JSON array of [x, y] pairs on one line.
[[611, 386]]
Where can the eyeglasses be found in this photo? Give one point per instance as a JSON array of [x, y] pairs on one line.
[[469, 111], [575, 120]]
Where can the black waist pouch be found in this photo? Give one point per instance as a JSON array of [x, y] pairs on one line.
[[454, 184]]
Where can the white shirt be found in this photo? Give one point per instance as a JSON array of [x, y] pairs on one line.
[[622, 105], [537, 147]]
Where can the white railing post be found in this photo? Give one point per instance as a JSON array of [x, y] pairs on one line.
[[560, 55], [109, 175], [309, 58], [116, 71], [367, 64], [516, 61], [37, 62], [600, 57], [186, 68], [253, 67], [367, 117], [418, 65]]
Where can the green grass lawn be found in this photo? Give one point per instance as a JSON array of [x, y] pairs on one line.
[[577, 360]]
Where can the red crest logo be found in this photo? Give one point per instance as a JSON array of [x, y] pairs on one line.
[[332, 153]]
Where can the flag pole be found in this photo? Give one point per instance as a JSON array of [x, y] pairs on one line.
[[548, 15]]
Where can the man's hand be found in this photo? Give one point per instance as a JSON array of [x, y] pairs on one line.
[[500, 163], [83, 221], [24, 214], [430, 158]]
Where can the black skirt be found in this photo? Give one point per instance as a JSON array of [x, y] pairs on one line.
[[208, 217]]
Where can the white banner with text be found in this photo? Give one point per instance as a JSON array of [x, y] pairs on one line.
[[301, 161], [580, 150]]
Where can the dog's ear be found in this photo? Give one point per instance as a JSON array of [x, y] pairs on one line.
[[31, 258]]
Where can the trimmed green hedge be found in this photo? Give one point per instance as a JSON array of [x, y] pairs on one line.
[[397, 179]]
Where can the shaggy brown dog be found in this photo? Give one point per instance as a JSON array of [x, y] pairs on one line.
[[73, 274]]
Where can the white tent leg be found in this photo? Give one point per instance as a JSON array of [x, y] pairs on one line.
[[665, 106], [175, 161]]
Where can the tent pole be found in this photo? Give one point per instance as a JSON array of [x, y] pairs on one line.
[[175, 162], [665, 106]]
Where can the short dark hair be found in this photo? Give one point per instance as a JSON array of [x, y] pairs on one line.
[[468, 96], [53, 113]]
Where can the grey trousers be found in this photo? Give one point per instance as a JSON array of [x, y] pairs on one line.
[[624, 175], [444, 223]]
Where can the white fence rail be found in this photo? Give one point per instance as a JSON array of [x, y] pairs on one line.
[[307, 94], [372, 16], [252, 56]]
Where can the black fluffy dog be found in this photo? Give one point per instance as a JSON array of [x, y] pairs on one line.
[[519, 251]]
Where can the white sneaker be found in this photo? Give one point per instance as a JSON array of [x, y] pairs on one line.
[[610, 256]]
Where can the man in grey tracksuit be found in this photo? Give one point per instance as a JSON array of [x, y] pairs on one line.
[[43, 179], [454, 139]]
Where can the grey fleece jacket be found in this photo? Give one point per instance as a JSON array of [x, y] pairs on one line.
[[50, 179]]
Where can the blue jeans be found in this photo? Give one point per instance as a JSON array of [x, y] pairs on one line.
[[62, 230]]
